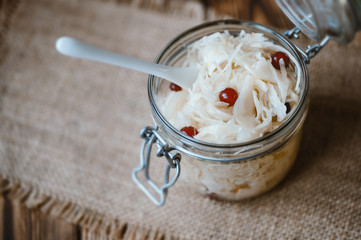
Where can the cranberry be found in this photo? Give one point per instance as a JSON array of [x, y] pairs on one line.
[[228, 95], [189, 130], [175, 87], [276, 57]]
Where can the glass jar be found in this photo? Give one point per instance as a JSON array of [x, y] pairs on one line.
[[337, 19], [224, 171]]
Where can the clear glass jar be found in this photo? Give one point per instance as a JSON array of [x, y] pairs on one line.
[[225, 171], [338, 19]]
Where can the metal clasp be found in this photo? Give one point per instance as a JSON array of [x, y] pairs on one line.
[[151, 136], [311, 51]]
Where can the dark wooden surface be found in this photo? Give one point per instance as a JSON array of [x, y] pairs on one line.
[[18, 222]]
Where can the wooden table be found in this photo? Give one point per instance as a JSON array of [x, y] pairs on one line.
[[18, 222]]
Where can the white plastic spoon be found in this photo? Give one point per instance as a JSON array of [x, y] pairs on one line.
[[182, 76]]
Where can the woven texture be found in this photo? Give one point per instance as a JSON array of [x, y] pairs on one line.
[[69, 133]]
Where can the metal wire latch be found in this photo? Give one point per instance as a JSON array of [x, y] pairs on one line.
[[311, 51], [151, 136]]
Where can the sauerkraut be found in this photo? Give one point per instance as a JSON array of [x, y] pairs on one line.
[[240, 180], [241, 62]]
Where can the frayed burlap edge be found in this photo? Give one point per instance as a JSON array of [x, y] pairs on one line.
[[94, 222]]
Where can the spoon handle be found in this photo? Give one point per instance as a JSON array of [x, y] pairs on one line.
[[182, 76], [78, 49]]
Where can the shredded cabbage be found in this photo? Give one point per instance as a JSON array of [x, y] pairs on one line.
[[242, 62]]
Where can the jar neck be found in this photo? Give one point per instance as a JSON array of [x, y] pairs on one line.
[[173, 53]]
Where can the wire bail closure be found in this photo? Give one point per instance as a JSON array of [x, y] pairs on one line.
[[311, 51], [151, 136]]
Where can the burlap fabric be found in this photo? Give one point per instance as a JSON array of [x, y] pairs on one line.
[[69, 133]]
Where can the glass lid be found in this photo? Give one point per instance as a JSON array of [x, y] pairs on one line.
[[337, 19], [301, 13]]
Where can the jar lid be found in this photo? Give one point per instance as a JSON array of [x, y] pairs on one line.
[[301, 14], [318, 19]]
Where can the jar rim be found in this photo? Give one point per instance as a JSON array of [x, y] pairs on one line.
[[234, 22]]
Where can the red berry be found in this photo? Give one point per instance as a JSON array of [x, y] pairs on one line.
[[276, 57], [175, 87], [189, 130], [228, 95]]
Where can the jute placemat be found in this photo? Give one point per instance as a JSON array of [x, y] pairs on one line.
[[69, 133]]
